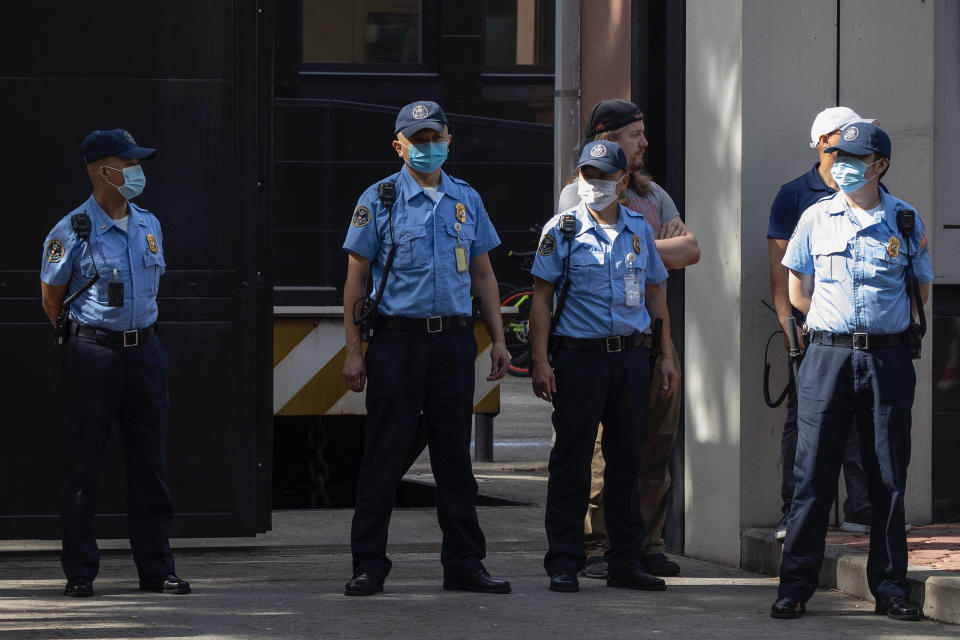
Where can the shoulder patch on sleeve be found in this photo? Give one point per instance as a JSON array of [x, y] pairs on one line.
[[55, 251], [547, 245], [361, 216]]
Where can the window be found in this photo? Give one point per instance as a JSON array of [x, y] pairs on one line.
[[362, 31], [519, 32]]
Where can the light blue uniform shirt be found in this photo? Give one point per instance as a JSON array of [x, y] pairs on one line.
[[136, 255], [859, 285], [424, 280], [596, 302]]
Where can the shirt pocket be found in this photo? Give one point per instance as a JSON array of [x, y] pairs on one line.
[[877, 254], [829, 257], [411, 246], [587, 273], [464, 236], [149, 278]]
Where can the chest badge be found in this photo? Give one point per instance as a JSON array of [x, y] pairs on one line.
[[152, 243], [893, 246], [636, 243], [461, 212]]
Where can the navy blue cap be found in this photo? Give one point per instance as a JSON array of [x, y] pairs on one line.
[[604, 155], [420, 115], [113, 142], [862, 138]]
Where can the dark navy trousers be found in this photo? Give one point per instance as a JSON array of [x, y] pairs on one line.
[[839, 385], [103, 384], [857, 505], [595, 387], [409, 372]]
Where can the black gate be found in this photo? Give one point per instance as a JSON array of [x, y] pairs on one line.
[[185, 77]]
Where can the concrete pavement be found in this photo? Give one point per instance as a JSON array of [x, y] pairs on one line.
[[288, 582], [296, 593]]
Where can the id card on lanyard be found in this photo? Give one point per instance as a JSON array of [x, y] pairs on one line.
[[460, 251]]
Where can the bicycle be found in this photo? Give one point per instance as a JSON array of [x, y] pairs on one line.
[[516, 330]]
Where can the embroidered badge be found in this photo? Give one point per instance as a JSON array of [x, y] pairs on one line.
[[419, 112], [547, 245], [361, 216], [461, 212], [152, 243], [55, 251], [636, 243], [893, 246], [851, 133], [598, 151]]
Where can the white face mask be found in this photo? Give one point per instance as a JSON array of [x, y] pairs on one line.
[[597, 194]]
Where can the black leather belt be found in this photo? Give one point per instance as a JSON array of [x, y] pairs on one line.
[[132, 338], [858, 341], [433, 324], [611, 344]]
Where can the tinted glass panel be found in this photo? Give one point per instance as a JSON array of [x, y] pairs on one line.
[[361, 31], [519, 32]]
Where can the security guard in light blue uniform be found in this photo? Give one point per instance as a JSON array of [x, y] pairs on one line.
[[114, 364], [435, 236], [606, 259], [850, 261]]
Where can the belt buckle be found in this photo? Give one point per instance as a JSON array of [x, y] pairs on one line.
[[434, 324], [614, 344], [861, 341], [136, 338]]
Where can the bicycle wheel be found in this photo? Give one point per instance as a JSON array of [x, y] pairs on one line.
[[516, 331]]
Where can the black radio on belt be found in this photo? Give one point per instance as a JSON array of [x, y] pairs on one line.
[[907, 224], [81, 226]]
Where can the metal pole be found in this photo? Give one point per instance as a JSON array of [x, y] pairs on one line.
[[566, 101], [483, 437]]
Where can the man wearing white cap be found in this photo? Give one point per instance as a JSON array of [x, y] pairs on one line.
[[791, 201]]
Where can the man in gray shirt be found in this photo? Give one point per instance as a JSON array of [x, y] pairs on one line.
[[621, 121]]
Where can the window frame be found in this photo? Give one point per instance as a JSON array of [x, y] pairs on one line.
[[428, 67]]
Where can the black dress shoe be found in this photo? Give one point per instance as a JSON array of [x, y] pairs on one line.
[[898, 608], [786, 608], [479, 582], [363, 584], [658, 564], [564, 581], [595, 568], [636, 580], [81, 587], [169, 584]]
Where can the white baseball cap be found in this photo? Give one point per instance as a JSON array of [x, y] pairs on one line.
[[833, 119]]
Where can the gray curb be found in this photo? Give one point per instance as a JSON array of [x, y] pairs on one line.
[[935, 590]]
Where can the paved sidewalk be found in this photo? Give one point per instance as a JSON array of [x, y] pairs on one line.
[[934, 556], [288, 583], [268, 591]]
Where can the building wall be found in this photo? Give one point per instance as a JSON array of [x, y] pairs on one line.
[[604, 52], [714, 287], [757, 73], [789, 70], [887, 62]]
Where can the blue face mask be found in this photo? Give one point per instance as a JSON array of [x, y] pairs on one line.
[[133, 181], [848, 173], [428, 157]]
